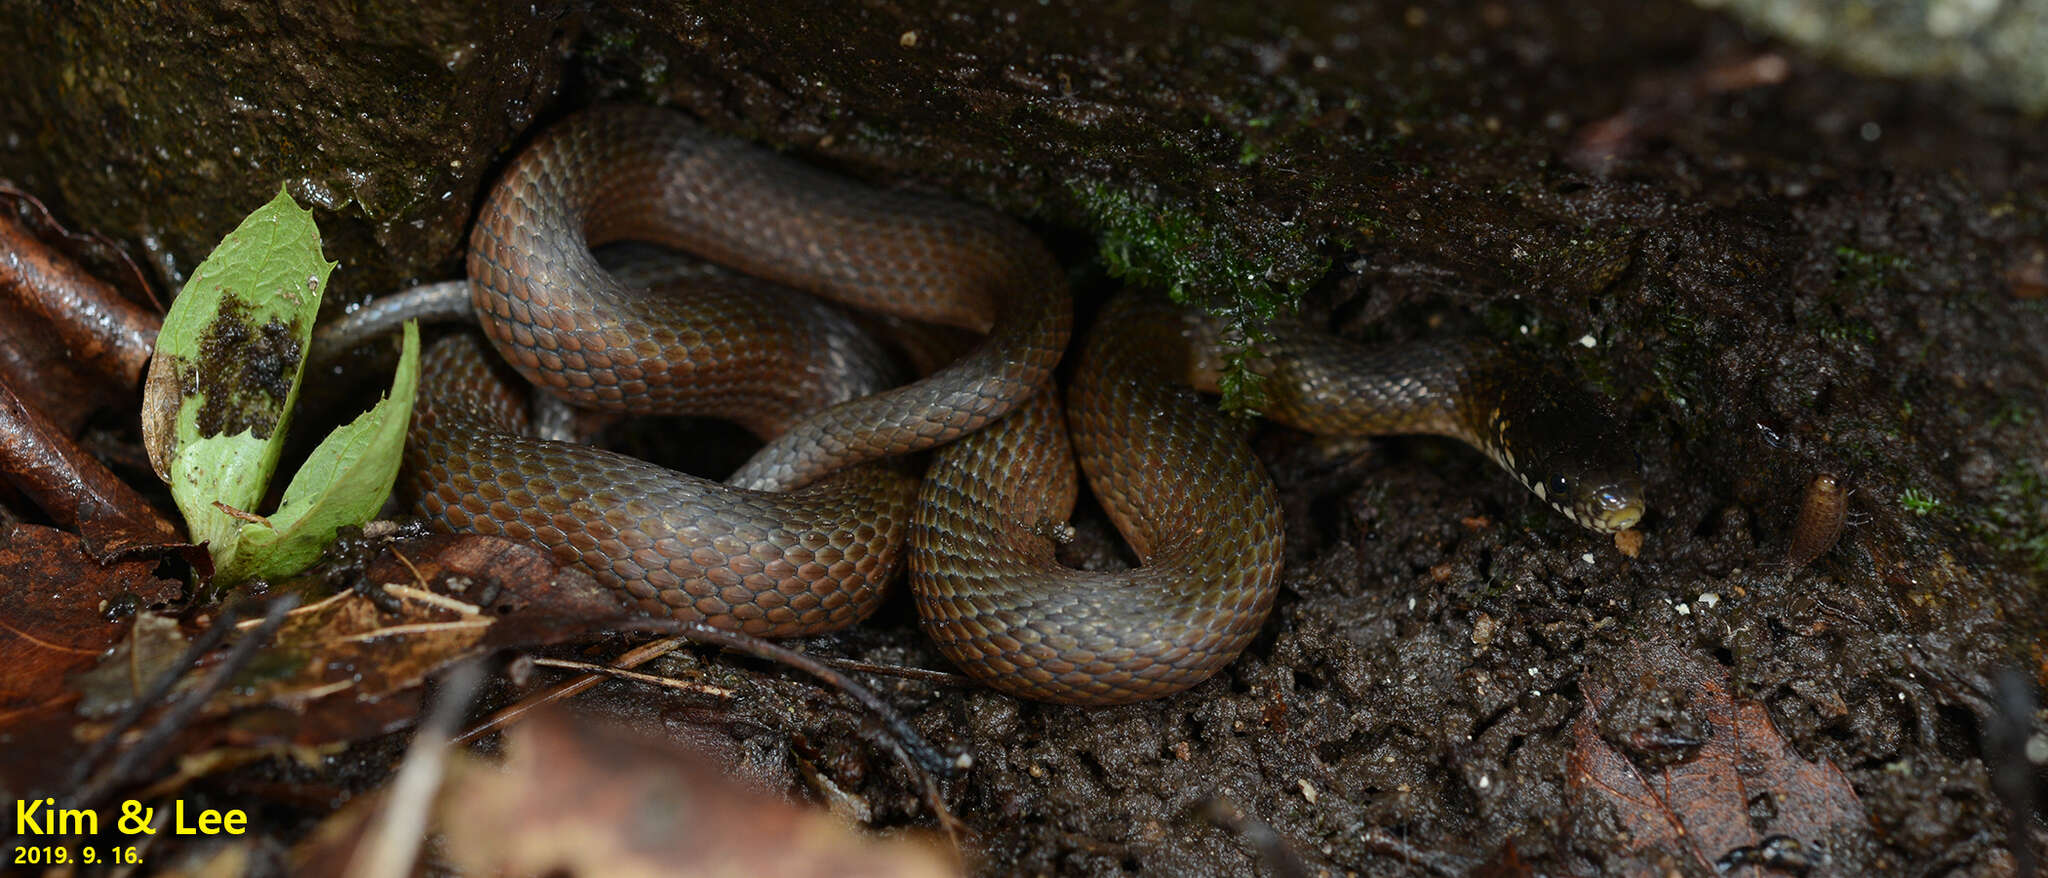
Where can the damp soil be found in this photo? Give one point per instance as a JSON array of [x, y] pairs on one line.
[[1775, 268]]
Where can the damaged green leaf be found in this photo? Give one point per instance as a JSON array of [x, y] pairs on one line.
[[220, 393], [344, 482]]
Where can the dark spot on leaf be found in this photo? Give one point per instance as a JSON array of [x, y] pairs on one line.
[[244, 371]]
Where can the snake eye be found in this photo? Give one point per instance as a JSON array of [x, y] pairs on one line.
[[1559, 485]]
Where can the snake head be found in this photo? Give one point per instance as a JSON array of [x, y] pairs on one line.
[[1607, 502], [1567, 447]]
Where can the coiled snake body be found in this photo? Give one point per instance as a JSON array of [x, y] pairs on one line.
[[1176, 477]]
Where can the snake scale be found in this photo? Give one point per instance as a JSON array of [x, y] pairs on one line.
[[806, 535]]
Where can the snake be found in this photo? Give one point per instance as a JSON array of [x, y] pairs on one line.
[[806, 535]]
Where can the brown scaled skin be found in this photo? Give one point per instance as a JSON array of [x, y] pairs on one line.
[[767, 563], [1188, 491], [1174, 475], [651, 175], [772, 565], [1180, 483]]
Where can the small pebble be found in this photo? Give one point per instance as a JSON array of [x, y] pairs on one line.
[[1483, 629]]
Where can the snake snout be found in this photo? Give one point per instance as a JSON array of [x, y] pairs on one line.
[[1615, 507]]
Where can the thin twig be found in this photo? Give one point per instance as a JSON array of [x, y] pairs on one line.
[[1379, 842], [432, 598], [925, 675], [417, 579], [200, 646], [928, 783], [392, 841], [636, 676], [179, 714], [905, 741], [902, 741], [505, 716]]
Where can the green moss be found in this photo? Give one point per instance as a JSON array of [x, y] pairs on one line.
[[1852, 331], [1200, 263], [1919, 501], [1365, 226], [2015, 521], [1243, 390], [1863, 270], [1678, 369], [1175, 249], [2016, 413]]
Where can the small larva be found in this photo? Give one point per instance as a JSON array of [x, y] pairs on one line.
[[1820, 520]]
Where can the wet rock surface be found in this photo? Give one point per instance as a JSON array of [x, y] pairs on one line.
[[166, 125], [1992, 49], [1776, 268]]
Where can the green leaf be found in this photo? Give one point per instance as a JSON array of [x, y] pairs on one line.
[[227, 368], [343, 483]]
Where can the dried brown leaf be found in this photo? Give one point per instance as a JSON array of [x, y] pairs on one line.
[[75, 490], [502, 576], [96, 253], [339, 670], [152, 647], [34, 362], [53, 623], [1741, 793], [578, 798], [104, 331], [349, 667]]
